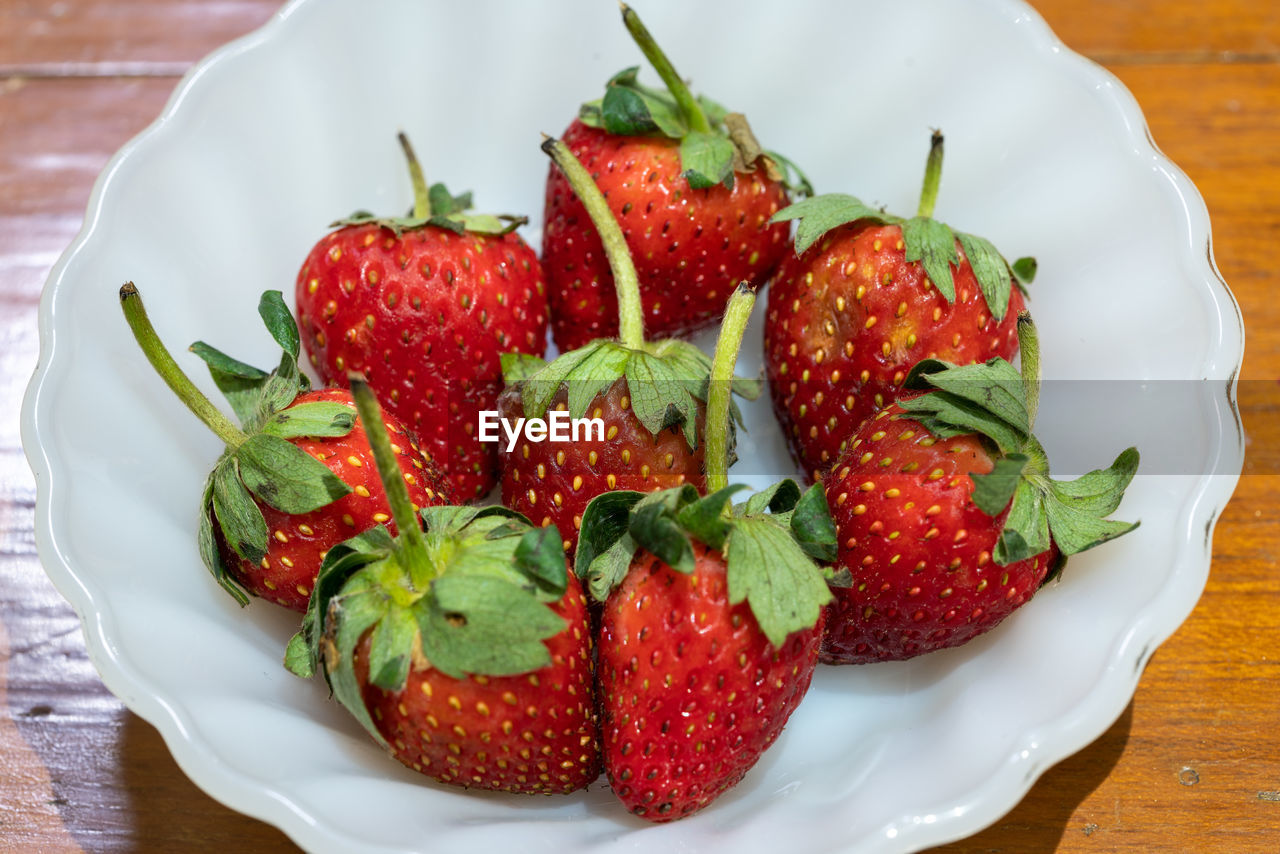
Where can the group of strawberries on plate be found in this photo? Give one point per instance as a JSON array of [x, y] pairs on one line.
[[619, 611]]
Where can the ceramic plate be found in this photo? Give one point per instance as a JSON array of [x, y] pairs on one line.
[[271, 138]]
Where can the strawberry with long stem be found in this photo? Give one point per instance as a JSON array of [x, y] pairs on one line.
[[294, 477], [712, 619], [693, 192], [946, 515], [424, 305], [463, 649], [868, 294], [649, 396]]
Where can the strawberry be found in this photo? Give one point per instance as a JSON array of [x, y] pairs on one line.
[[424, 305], [648, 396], [296, 480], [711, 625], [692, 190], [946, 517], [867, 295], [462, 649]]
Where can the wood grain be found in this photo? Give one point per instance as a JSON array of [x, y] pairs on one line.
[[1193, 764]]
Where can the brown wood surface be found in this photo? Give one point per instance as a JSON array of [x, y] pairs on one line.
[[1192, 765]]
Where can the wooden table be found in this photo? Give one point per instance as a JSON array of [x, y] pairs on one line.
[[1193, 764]]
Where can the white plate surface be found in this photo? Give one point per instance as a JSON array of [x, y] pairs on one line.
[[275, 135]]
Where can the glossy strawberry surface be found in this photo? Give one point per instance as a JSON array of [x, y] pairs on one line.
[[535, 733], [846, 321], [919, 550], [425, 316], [691, 690], [691, 247], [552, 482]]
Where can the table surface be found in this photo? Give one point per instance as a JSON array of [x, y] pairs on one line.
[[1192, 764]]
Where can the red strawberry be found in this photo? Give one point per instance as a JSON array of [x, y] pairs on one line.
[[711, 625], [945, 514], [464, 650], [296, 480], [647, 394], [424, 306], [865, 297], [692, 190]]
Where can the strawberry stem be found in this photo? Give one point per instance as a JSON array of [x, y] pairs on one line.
[[1029, 357], [720, 387], [403, 512], [625, 280], [689, 107], [932, 176], [421, 194], [135, 314]]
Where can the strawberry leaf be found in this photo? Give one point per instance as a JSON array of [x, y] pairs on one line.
[[821, 214], [993, 491], [239, 383], [1026, 528], [518, 367], [707, 159], [632, 109], [280, 323], [285, 476], [660, 397], [995, 279], [600, 369], [812, 527], [934, 245], [780, 497], [540, 556], [243, 528], [390, 649], [605, 546], [318, 419], [793, 178], [208, 546], [1076, 508], [486, 625], [996, 386], [779, 581], [705, 518], [654, 525], [1024, 270]]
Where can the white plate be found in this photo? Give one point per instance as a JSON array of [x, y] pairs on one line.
[[272, 137]]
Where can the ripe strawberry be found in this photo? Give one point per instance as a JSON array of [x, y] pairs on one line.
[[945, 514], [464, 650], [649, 396], [424, 306], [692, 190], [711, 624], [296, 480], [865, 297]]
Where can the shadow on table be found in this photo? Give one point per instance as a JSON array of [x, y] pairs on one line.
[[170, 813], [1039, 822]]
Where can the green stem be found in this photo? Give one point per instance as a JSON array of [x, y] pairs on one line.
[[1029, 354], [421, 193], [932, 176], [720, 388], [412, 542], [159, 357], [689, 107], [625, 280]]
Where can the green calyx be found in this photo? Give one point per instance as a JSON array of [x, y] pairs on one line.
[[715, 144], [665, 378], [463, 590], [260, 463], [925, 240], [997, 402], [435, 206], [775, 545]]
